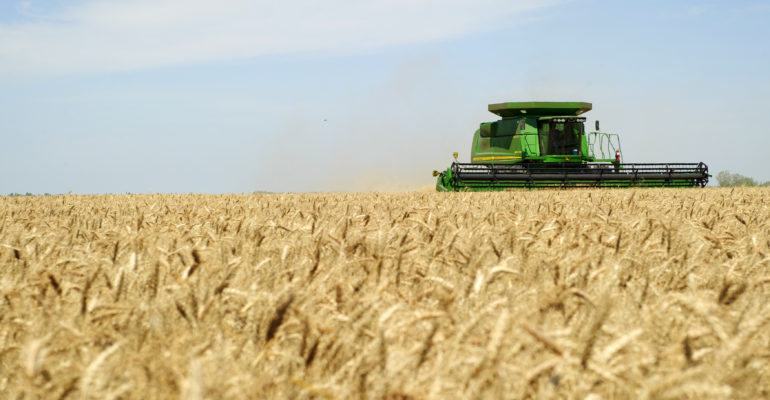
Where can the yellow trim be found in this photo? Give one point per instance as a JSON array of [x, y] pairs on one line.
[[491, 158]]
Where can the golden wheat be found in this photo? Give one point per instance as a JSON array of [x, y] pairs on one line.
[[585, 293]]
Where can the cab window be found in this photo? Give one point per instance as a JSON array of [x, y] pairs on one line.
[[560, 138]]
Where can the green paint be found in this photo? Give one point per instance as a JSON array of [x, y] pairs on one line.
[[539, 108], [543, 139], [540, 133]]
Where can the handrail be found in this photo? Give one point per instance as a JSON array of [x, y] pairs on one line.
[[606, 145]]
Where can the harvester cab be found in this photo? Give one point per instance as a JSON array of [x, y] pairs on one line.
[[544, 144]]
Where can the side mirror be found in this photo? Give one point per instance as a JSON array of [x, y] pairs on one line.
[[485, 130], [597, 125], [522, 124]]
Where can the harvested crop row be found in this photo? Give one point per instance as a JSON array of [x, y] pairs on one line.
[[616, 293]]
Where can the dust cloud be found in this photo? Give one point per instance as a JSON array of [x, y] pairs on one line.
[[390, 140]]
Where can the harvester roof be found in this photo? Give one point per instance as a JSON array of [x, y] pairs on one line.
[[539, 108]]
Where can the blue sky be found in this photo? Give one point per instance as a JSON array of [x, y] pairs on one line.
[[116, 96]]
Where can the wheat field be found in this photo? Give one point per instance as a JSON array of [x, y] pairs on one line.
[[657, 293]]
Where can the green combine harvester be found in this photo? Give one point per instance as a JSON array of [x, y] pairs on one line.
[[545, 145]]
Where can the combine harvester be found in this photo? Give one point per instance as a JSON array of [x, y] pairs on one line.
[[544, 144]]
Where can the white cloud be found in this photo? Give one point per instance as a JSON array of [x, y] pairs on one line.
[[118, 35]]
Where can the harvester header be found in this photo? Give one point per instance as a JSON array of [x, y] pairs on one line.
[[544, 144]]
